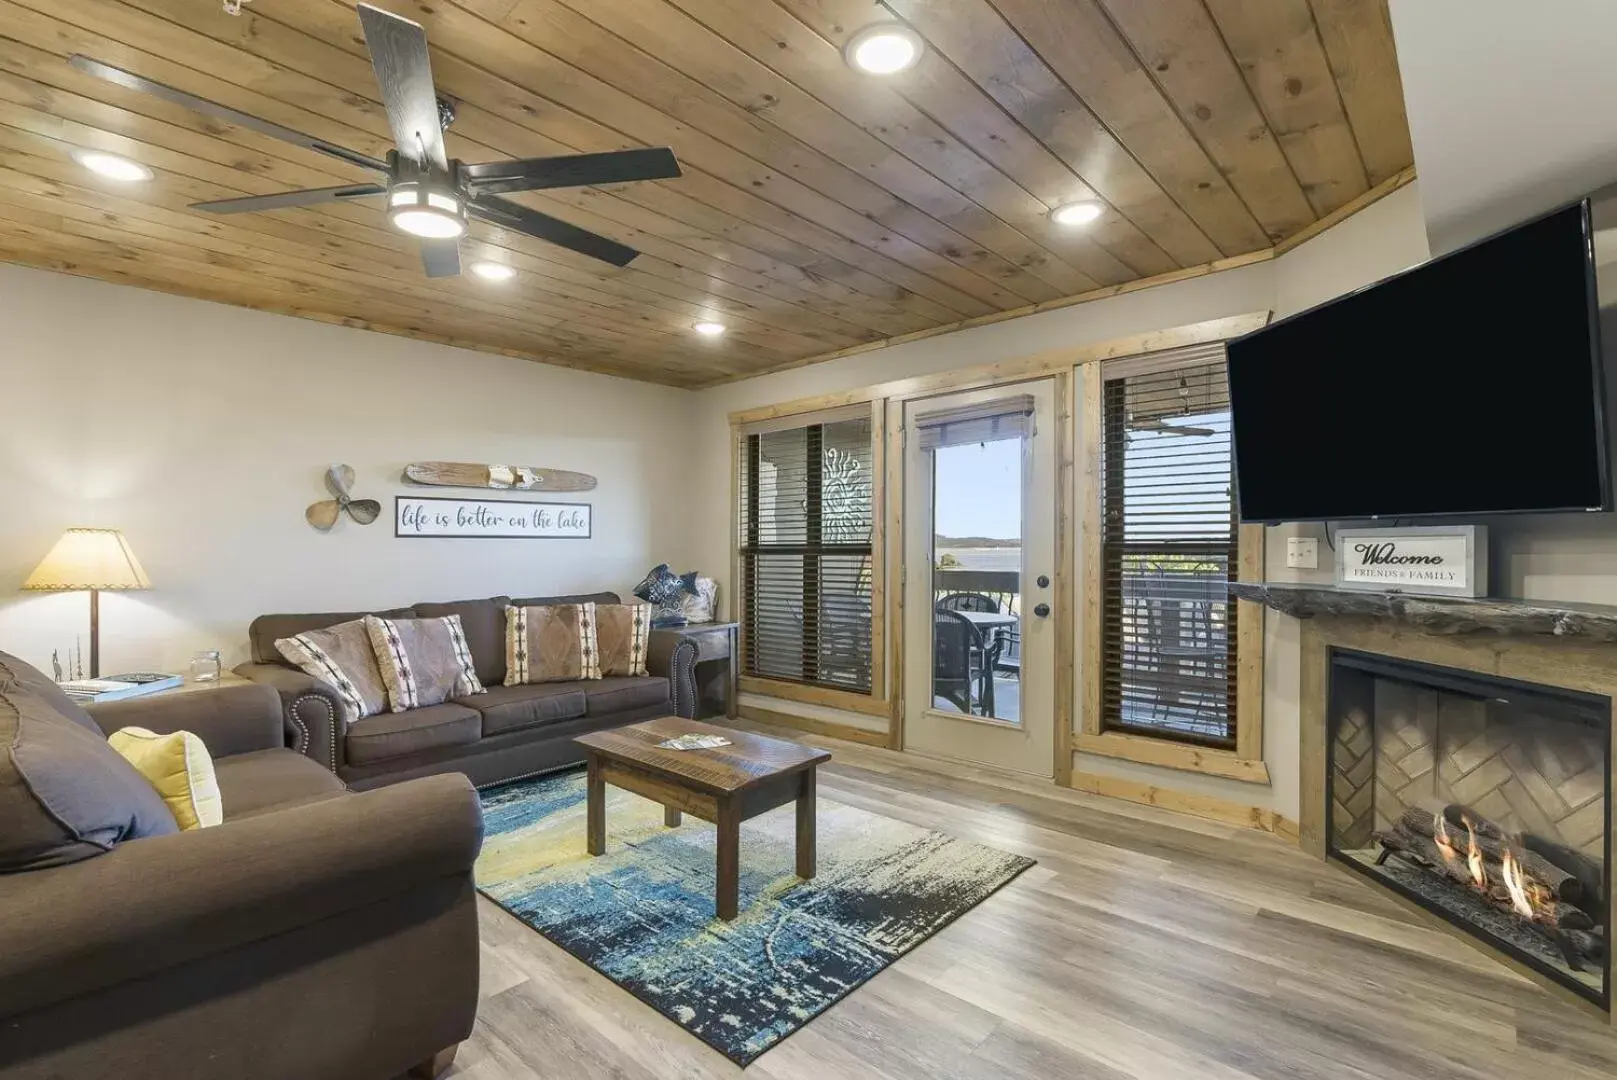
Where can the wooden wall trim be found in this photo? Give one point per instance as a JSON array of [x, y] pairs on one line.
[[1204, 806], [1245, 761], [825, 697], [892, 539], [1066, 645], [812, 726], [1144, 750], [1088, 510], [1035, 365]]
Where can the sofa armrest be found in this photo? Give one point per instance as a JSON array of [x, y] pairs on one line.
[[315, 714], [157, 903], [674, 658], [229, 719]]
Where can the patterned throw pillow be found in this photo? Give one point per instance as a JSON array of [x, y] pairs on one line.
[[341, 656], [666, 591], [556, 643], [704, 606], [623, 632], [423, 661]]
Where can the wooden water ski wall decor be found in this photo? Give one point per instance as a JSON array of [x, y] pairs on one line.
[[498, 477]]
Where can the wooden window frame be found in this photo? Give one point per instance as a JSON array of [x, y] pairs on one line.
[[1069, 364], [1245, 761], [874, 703]]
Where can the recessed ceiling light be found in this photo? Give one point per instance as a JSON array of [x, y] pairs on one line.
[[709, 329], [493, 271], [112, 166], [1078, 213], [884, 49]]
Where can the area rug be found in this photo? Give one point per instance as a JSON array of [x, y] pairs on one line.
[[642, 914]]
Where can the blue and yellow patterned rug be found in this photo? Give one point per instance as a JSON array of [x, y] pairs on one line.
[[642, 914]]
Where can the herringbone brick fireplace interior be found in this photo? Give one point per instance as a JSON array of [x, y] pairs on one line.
[[1483, 799]]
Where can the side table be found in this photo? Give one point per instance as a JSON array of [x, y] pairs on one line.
[[228, 678], [717, 654]]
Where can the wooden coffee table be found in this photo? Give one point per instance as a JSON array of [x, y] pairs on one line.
[[726, 785]]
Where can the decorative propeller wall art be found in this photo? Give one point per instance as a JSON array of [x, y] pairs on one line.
[[340, 482]]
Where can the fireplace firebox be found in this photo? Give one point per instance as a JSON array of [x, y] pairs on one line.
[[1483, 799]]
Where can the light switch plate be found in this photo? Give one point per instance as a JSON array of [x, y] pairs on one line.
[[1302, 553]]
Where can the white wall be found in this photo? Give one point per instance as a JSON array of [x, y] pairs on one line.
[[203, 431], [1509, 107]]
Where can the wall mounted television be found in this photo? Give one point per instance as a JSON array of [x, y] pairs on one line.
[[1471, 384]]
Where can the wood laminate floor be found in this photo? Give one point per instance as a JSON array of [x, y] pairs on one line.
[[1146, 944]]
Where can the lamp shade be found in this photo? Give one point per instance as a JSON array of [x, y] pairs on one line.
[[89, 559]]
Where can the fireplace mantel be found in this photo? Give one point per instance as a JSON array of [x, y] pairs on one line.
[[1441, 615]]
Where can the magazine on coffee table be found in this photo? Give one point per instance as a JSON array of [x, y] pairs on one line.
[[694, 742]]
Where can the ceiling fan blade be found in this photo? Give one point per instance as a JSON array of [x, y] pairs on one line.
[[129, 80], [573, 170], [441, 258], [286, 199], [504, 212], [398, 50]]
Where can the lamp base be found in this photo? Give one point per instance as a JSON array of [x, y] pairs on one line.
[[95, 633]]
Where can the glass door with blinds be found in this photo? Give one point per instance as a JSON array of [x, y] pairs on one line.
[[806, 520], [979, 567], [1169, 546]]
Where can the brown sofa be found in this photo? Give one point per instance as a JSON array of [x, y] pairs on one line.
[[508, 732], [317, 933]]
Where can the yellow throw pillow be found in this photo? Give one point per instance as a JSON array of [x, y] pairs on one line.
[[179, 767]]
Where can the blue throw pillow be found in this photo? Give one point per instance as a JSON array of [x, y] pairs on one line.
[[666, 591]]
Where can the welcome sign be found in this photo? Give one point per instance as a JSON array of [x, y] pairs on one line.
[[427, 516], [1439, 560]]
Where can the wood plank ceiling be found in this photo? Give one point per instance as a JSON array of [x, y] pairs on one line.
[[820, 208]]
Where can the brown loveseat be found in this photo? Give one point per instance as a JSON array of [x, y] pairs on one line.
[[317, 933], [508, 732]]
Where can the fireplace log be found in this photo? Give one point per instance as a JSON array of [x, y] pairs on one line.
[[1566, 886], [1587, 944], [1425, 849], [1586, 869], [1577, 946]]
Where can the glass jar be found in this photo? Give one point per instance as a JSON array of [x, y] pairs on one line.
[[207, 666]]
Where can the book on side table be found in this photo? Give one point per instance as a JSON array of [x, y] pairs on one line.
[[118, 687]]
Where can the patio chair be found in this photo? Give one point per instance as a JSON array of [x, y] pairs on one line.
[[962, 663]]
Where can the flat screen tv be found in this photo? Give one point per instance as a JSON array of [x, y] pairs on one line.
[[1469, 385]]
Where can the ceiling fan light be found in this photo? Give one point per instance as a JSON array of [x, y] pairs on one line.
[[883, 49], [112, 166], [493, 271], [425, 210]]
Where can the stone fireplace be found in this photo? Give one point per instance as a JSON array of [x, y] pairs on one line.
[[1458, 753]]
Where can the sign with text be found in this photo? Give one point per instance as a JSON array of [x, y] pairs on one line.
[[489, 519], [1440, 560]]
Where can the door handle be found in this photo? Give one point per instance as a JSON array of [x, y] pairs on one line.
[[1041, 610]]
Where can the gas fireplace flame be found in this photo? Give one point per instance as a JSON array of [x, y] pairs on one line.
[[1516, 884], [1473, 858], [1440, 835]]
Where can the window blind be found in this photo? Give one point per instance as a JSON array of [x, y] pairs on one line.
[[806, 519], [1003, 418], [1169, 541]]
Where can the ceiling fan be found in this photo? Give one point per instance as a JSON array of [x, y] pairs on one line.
[[428, 195]]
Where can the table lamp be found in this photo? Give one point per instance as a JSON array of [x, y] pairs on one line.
[[92, 559]]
